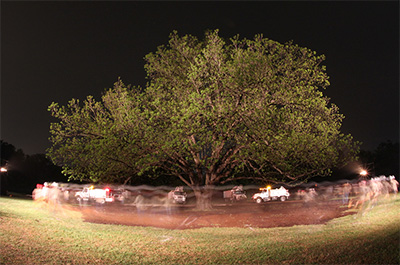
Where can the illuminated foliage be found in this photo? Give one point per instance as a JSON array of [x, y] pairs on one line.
[[210, 111], [101, 141]]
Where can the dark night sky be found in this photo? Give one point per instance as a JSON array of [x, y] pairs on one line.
[[56, 51]]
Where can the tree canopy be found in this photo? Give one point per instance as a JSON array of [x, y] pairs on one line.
[[211, 110]]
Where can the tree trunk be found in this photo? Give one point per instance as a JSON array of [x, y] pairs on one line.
[[203, 198]]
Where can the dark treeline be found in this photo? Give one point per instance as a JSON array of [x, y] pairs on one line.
[[25, 171], [384, 160]]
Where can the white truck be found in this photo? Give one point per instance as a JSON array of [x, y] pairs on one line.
[[177, 195], [90, 194], [268, 194]]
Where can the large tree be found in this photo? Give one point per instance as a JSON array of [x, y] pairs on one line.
[[209, 111]]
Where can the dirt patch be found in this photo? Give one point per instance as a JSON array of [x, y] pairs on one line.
[[247, 214]]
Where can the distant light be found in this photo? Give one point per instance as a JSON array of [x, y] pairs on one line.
[[3, 169], [363, 172]]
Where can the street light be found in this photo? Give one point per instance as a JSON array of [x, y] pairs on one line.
[[363, 174], [3, 181]]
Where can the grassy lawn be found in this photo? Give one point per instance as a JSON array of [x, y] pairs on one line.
[[32, 233]]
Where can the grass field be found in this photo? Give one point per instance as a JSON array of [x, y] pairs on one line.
[[32, 233]]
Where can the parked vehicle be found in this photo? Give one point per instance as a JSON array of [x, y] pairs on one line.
[[268, 194], [177, 195], [235, 194], [90, 194]]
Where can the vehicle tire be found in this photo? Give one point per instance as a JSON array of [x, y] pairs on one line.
[[283, 198], [259, 200]]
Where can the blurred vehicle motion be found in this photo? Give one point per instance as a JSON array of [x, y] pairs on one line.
[[235, 194], [357, 193], [90, 194]]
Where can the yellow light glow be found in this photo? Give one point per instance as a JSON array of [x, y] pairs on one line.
[[91, 187], [363, 172]]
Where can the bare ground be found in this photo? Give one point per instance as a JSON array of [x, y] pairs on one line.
[[245, 214]]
